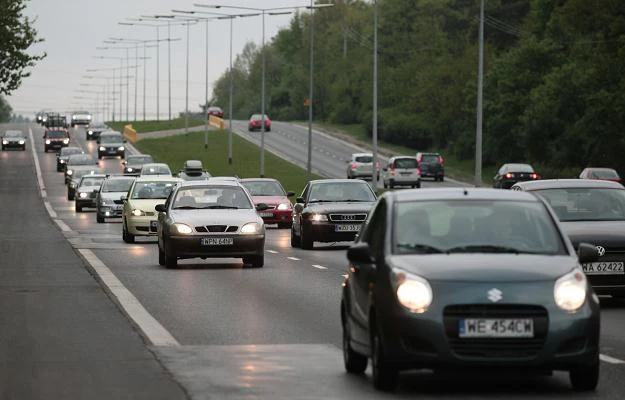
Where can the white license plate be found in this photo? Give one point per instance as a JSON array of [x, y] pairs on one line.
[[495, 328], [347, 228], [604, 268], [209, 241], [265, 214]]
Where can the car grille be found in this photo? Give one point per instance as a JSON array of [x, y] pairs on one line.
[[216, 228], [496, 347], [348, 217]]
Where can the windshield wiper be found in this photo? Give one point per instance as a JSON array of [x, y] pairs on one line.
[[187, 208], [487, 248], [424, 248], [355, 201], [321, 201], [218, 207]]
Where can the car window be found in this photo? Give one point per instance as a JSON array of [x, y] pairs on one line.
[[363, 159], [603, 174], [139, 159], [340, 191], [82, 172], [91, 181], [152, 190], [376, 230], [116, 185], [56, 134], [203, 197], [430, 158], [474, 226], [110, 138], [13, 134], [586, 204], [155, 170], [409, 163], [264, 188]]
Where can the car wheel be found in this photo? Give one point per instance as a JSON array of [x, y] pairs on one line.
[[126, 236], [391, 184], [585, 378], [385, 375], [78, 208], [284, 225], [70, 195], [418, 185], [295, 240], [170, 257], [255, 261], [99, 219], [23, 148], [306, 242], [161, 256], [385, 184], [442, 178], [99, 156], [355, 363]]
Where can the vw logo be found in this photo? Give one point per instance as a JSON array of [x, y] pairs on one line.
[[495, 295], [600, 251]]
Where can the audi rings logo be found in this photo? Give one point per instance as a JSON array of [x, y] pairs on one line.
[[349, 217], [600, 251]]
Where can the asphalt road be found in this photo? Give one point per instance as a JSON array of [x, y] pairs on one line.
[[270, 333]]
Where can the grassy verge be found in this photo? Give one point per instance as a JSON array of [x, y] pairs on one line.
[[154, 126], [463, 170], [175, 150]]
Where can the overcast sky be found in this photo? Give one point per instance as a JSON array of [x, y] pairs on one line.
[[72, 30]]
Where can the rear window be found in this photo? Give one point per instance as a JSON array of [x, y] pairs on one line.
[[603, 174], [430, 158], [56, 134], [520, 168], [363, 159], [406, 163]]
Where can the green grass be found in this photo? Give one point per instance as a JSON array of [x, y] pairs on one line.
[[463, 170], [175, 150], [154, 126]]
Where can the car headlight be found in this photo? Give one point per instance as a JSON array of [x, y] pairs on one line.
[[251, 228], [102, 148], [48, 141], [21, 142], [65, 141], [120, 148], [129, 169], [90, 132], [73, 117], [105, 202], [284, 207], [70, 172], [138, 213], [88, 116], [183, 229], [413, 292], [318, 217], [83, 195], [62, 161], [570, 290], [5, 142]]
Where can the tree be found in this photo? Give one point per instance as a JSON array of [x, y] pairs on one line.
[[5, 110], [16, 36]]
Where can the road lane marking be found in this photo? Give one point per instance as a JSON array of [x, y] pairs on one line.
[[42, 187], [610, 360], [152, 329], [272, 251], [319, 266], [294, 258], [62, 225], [50, 209]]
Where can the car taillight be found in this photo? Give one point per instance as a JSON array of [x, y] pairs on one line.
[[441, 160], [509, 175], [534, 176], [377, 165], [393, 170], [354, 166]]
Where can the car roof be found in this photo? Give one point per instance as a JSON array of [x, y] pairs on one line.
[[515, 165], [337, 180], [103, 176], [258, 180], [152, 178], [460, 194], [568, 183], [209, 182]]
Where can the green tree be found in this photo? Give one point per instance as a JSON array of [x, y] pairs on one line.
[[5, 110]]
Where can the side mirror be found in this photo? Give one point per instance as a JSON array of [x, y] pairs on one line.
[[290, 194], [360, 253], [123, 197], [124, 162], [384, 169], [299, 200], [262, 207], [587, 253], [160, 208], [125, 141]]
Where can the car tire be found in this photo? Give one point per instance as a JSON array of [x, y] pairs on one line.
[[99, 219], [585, 378], [385, 375], [254, 261], [70, 195], [355, 363], [161, 256], [385, 184], [306, 242], [284, 225], [442, 178], [391, 185], [418, 185], [99, 156], [171, 261], [126, 236], [78, 208], [23, 148], [295, 240]]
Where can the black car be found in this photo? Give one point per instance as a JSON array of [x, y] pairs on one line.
[[468, 279], [193, 171], [133, 164], [95, 129], [87, 191], [111, 144], [509, 174], [431, 165], [55, 139], [78, 172], [13, 140], [591, 211], [330, 210], [63, 155]]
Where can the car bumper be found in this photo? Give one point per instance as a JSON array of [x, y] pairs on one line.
[[13, 145], [276, 217], [327, 232], [110, 211], [191, 246], [404, 180], [142, 226], [56, 145], [85, 202], [81, 121]]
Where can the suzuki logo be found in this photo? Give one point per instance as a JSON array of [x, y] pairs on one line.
[[495, 295], [600, 251]]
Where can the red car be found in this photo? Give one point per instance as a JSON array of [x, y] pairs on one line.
[[270, 191], [215, 111], [604, 174], [255, 122]]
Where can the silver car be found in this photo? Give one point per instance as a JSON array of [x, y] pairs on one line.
[[361, 166], [109, 203], [402, 171]]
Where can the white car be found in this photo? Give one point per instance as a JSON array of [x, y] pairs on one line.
[[156, 169], [402, 171], [361, 166]]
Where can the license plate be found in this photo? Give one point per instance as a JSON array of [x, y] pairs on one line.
[[265, 214], [347, 228], [604, 268], [153, 225], [406, 173], [495, 328], [209, 241]]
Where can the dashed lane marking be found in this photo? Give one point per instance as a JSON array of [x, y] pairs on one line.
[[42, 187], [63, 225], [319, 266], [610, 360], [294, 258], [272, 251]]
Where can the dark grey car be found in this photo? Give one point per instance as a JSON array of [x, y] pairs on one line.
[[111, 144], [109, 203], [134, 163], [468, 278]]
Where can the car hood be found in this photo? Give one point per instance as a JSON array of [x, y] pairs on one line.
[[13, 139], [606, 233], [111, 195], [485, 267], [270, 200], [363, 207], [215, 217]]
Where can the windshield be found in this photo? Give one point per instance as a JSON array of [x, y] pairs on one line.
[[80, 159], [340, 191], [134, 160], [110, 139], [212, 197], [152, 190], [264, 188], [430, 158], [56, 134], [95, 181], [14, 134], [117, 185], [408, 163], [586, 204], [422, 227], [363, 159], [155, 170]]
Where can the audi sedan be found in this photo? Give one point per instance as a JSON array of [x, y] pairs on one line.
[[203, 219], [480, 279], [270, 192]]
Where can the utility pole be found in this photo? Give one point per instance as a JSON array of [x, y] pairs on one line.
[[374, 180], [480, 93]]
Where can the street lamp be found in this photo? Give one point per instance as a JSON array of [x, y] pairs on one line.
[[480, 94], [127, 72], [121, 59], [374, 175], [112, 92]]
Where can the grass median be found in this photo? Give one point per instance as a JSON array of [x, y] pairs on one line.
[[155, 126], [175, 150]]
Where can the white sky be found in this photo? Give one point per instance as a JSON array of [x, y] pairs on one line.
[[73, 28]]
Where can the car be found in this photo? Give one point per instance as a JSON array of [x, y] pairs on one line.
[[193, 171], [270, 192], [509, 174], [111, 144], [138, 214], [13, 139], [215, 111], [81, 118], [156, 169], [591, 211], [87, 191], [255, 123], [607, 174], [133, 163], [360, 165], [210, 219], [78, 172], [55, 139], [225, 178], [109, 203], [330, 210], [401, 171], [75, 160], [95, 129], [63, 155], [468, 278], [431, 165], [55, 120]]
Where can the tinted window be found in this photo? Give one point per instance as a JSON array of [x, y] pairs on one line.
[[82, 172], [152, 190], [139, 159], [91, 181], [264, 188], [520, 168], [110, 138], [363, 159], [212, 197], [259, 116], [341, 191], [406, 163], [14, 134], [586, 204], [485, 226], [430, 158], [117, 185], [155, 170]]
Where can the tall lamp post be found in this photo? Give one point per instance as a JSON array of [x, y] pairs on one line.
[[480, 94], [374, 175]]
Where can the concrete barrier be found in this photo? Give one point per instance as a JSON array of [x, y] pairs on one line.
[[131, 134], [216, 122]]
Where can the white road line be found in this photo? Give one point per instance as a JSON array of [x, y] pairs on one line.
[[610, 360], [272, 251], [344, 275], [151, 329], [294, 258], [42, 187], [63, 225], [50, 209], [319, 266]]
